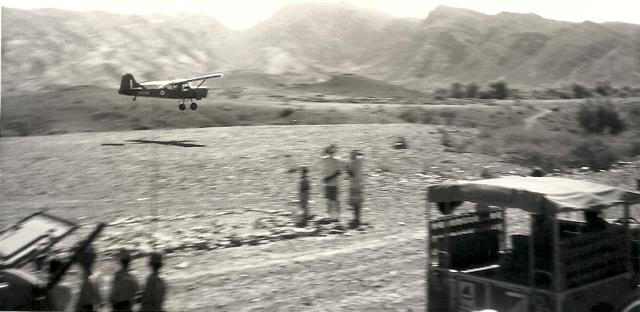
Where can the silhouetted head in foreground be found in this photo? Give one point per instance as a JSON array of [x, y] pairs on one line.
[[155, 261], [538, 172], [125, 258], [330, 150]]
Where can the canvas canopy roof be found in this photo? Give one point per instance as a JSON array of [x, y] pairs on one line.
[[30, 237], [542, 195]]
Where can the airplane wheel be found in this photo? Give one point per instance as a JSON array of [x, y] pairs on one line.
[[193, 106], [182, 107]]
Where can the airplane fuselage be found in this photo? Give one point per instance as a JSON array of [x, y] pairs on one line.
[[191, 93]]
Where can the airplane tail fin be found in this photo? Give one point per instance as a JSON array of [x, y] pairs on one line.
[[127, 83]]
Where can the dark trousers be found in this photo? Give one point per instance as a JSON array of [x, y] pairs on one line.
[[86, 308], [122, 306], [356, 215]]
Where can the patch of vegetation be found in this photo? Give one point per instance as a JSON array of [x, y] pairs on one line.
[[457, 92], [454, 144], [498, 90], [286, 112], [634, 148], [551, 149], [472, 90], [416, 115], [594, 153], [600, 117], [580, 91]]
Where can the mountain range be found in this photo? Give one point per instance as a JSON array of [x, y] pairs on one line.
[[312, 42]]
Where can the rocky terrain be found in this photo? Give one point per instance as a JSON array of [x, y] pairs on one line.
[[219, 202], [309, 42]]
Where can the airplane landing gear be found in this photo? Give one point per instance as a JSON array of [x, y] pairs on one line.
[[182, 107], [193, 106]]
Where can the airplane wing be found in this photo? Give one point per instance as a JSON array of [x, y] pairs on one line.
[[217, 75]]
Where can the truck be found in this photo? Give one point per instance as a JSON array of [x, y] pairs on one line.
[[524, 244], [30, 241]]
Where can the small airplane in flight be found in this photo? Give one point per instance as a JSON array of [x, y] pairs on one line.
[[180, 89]]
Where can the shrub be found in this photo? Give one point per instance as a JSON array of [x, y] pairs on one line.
[[499, 90], [534, 156], [416, 115], [556, 94], [472, 90], [440, 94], [597, 118], [529, 147], [603, 88], [634, 148], [456, 91], [595, 154], [286, 112], [580, 91]]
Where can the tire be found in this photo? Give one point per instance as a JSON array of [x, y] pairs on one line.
[[632, 307]]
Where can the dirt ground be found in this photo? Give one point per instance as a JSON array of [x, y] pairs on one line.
[[194, 192]]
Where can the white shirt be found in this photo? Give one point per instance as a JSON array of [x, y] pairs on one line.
[[330, 165]]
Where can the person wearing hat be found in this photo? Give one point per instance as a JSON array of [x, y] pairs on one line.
[[330, 171], [124, 285], [304, 189], [355, 190], [155, 289], [89, 299]]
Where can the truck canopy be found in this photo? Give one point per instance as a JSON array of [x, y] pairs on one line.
[[31, 237], [539, 195]]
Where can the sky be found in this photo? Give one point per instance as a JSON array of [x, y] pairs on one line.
[[240, 14]]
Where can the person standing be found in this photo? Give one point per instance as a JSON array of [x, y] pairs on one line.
[[303, 191], [155, 288], [330, 172], [89, 299], [124, 286], [355, 189]]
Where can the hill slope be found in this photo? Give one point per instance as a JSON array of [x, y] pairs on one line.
[[358, 86], [307, 42]]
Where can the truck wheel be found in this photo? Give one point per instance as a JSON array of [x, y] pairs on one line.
[[632, 307], [602, 307]]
